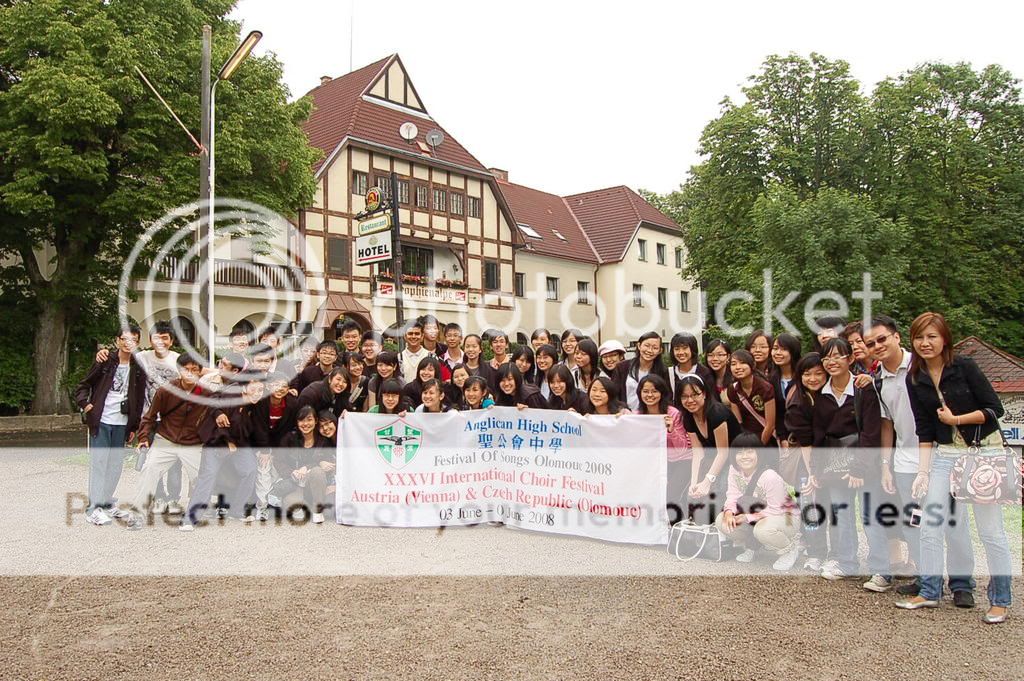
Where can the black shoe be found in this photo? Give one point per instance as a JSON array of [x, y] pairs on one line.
[[963, 599], [909, 589]]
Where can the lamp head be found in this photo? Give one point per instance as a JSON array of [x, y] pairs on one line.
[[240, 54]]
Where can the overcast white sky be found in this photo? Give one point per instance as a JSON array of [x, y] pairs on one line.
[[570, 96]]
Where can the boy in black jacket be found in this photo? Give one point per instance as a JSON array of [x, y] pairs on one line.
[[232, 434], [111, 397]]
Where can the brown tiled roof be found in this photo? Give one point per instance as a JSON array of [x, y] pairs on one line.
[[545, 213], [610, 218], [339, 110], [1004, 371]]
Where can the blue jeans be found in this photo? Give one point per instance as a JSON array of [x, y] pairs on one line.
[[946, 518], [988, 519], [106, 461], [958, 536], [877, 517], [843, 527]]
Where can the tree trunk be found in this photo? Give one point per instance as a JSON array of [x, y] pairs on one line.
[[51, 360]]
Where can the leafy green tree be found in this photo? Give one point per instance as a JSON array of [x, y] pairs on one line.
[[921, 184], [948, 152], [88, 156]]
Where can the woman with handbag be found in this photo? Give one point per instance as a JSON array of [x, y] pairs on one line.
[[752, 398], [956, 412], [845, 464], [759, 506]]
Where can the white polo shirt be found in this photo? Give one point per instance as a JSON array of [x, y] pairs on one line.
[[896, 407]]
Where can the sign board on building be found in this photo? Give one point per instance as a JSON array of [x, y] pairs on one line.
[[1013, 418], [373, 199], [373, 248], [386, 289], [379, 223]]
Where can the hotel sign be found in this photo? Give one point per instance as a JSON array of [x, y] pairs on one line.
[[373, 248]]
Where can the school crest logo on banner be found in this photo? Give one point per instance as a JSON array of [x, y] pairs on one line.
[[398, 443]]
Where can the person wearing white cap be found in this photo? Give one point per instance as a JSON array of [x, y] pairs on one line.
[[611, 353]]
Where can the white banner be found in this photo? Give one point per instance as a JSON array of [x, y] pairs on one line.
[[554, 471]]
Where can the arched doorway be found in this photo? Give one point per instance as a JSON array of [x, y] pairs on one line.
[[184, 331], [333, 332]]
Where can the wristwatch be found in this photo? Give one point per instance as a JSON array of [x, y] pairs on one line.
[[711, 477]]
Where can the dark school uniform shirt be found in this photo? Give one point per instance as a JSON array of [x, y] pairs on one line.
[[837, 416], [760, 393]]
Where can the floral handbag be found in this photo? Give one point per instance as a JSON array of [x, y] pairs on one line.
[[988, 472]]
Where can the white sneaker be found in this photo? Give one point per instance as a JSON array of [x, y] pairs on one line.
[[317, 518], [812, 564], [116, 511], [186, 527], [878, 584], [98, 517], [299, 514], [174, 508], [262, 515], [746, 557], [832, 572], [159, 506], [787, 560], [249, 518]]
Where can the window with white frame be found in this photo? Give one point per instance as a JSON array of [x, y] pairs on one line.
[[552, 288]]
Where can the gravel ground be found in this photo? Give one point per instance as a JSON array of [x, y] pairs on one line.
[[269, 602], [490, 628]]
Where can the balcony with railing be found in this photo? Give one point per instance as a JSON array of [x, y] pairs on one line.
[[241, 273]]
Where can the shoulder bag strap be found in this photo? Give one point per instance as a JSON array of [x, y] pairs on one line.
[[746, 403]]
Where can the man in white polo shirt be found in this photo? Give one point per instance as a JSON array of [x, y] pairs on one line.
[[899, 430]]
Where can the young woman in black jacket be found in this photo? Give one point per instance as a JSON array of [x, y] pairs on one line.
[[954, 408], [512, 391], [846, 464], [303, 461]]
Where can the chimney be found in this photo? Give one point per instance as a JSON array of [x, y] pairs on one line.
[[324, 80], [499, 173]]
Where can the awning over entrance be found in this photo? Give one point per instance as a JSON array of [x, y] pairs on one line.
[[336, 305]]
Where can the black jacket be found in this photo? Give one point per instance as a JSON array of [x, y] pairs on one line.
[[246, 429], [624, 369], [291, 455], [320, 396], [285, 424], [96, 385], [859, 415], [965, 389]]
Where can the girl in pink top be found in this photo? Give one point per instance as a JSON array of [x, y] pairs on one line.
[[655, 400], [759, 506]]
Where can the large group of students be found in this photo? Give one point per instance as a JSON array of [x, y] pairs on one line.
[[796, 443]]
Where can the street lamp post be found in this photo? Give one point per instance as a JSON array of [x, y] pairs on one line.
[[207, 170]]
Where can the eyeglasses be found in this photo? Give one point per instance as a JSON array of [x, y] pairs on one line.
[[880, 340], [834, 359]]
